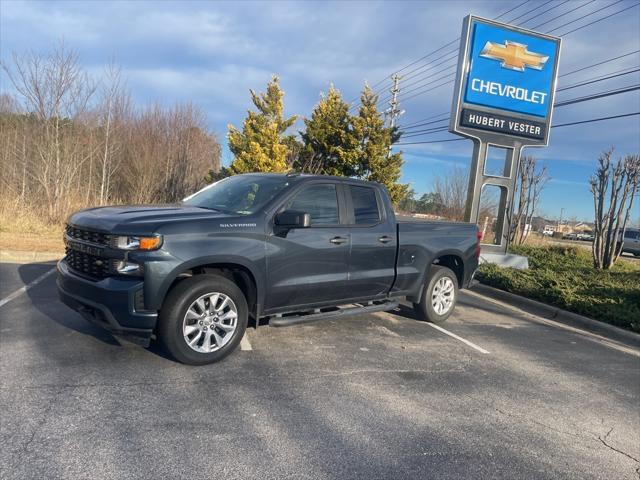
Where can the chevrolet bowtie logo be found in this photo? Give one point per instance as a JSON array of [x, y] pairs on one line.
[[514, 56]]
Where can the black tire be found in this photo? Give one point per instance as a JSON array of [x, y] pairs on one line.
[[425, 309], [174, 309]]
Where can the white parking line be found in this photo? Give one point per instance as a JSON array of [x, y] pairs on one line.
[[245, 344], [24, 288], [453, 335]]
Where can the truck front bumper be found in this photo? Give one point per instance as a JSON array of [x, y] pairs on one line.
[[109, 303]]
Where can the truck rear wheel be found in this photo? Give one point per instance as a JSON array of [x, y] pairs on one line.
[[203, 319], [439, 297]]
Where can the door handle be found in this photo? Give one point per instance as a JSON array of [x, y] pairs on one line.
[[338, 240], [384, 239]]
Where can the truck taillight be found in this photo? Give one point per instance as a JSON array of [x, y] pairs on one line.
[[479, 240]]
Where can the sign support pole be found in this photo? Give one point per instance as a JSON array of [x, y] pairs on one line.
[[478, 179]]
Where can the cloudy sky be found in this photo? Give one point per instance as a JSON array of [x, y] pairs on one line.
[[211, 53]]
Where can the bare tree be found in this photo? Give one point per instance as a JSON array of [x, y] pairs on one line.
[[530, 183], [58, 92], [66, 144], [613, 187], [114, 105], [452, 190]]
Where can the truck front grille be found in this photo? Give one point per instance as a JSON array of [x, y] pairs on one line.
[[89, 265], [85, 235]]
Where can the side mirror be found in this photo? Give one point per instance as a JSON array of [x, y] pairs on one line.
[[293, 219]]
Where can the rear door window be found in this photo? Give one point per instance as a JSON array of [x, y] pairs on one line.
[[365, 205]]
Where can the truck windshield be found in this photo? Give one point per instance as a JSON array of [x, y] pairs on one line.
[[240, 194]]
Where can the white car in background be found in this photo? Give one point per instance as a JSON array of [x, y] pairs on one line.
[[631, 241], [587, 237]]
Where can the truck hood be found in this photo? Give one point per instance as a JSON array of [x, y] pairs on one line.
[[139, 219]]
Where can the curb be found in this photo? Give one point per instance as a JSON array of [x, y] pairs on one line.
[[11, 256], [557, 314]]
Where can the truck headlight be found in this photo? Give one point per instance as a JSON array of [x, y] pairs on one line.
[[137, 243]]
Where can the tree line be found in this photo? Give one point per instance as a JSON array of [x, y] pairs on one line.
[[333, 142], [68, 140]]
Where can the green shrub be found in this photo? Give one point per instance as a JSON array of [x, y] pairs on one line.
[[565, 277]]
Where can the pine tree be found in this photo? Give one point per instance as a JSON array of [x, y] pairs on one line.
[[262, 145], [375, 162], [330, 147]]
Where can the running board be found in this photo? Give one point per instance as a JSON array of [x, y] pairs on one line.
[[280, 321]]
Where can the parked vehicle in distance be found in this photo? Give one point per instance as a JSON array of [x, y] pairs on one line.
[[570, 236], [631, 241], [586, 237], [285, 249], [548, 232]]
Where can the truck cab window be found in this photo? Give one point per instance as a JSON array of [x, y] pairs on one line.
[[319, 201], [365, 205]]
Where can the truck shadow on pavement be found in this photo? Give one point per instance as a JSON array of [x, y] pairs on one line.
[[45, 300], [53, 308]]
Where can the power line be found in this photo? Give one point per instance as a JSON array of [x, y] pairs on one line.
[[599, 63], [433, 141], [426, 67], [598, 79], [436, 50], [601, 78], [431, 74], [537, 15], [428, 90], [454, 53], [529, 11], [511, 10], [430, 65], [427, 118], [411, 126], [609, 93], [414, 62], [584, 16], [602, 62], [583, 26], [596, 120], [592, 120], [430, 131], [428, 83], [562, 14], [599, 20], [572, 101]]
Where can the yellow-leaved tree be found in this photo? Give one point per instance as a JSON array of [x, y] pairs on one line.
[[262, 145]]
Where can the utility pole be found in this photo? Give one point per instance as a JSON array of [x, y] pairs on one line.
[[393, 111], [560, 221]]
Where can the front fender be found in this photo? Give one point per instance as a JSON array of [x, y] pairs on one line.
[[246, 251], [157, 291]]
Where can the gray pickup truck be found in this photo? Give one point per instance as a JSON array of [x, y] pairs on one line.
[[276, 248]]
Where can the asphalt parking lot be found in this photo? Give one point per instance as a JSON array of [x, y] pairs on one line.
[[379, 396]]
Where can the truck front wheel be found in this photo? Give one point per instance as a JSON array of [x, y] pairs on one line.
[[439, 297], [203, 319]]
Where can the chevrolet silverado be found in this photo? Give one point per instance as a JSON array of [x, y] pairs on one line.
[[274, 248]]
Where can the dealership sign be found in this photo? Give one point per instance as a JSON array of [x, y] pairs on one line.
[[505, 84]]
